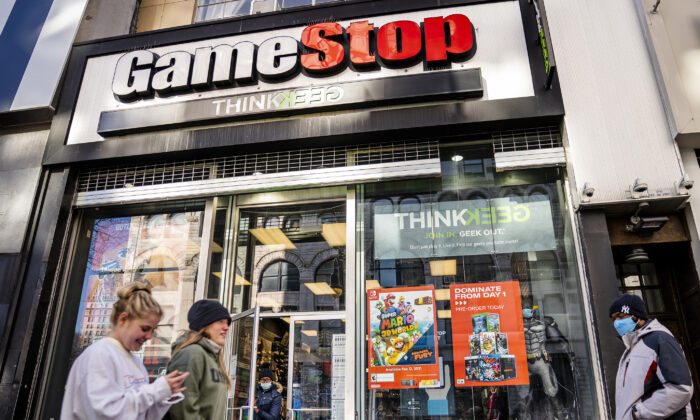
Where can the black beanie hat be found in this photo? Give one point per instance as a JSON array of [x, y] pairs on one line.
[[266, 372], [205, 312], [629, 304]]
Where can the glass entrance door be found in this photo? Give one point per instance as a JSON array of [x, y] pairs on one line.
[[316, 378], [239, 347], [285, 258]]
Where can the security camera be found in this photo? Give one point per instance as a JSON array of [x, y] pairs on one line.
[[587, 192], [638, 188], [683, 185]]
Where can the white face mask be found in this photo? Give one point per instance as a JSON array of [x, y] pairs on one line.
[[266, 385]]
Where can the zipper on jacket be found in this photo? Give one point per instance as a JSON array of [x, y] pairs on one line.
[[624, 377]]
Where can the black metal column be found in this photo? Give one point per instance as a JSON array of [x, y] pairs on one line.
[[600, 268]]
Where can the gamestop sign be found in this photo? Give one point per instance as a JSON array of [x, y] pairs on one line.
[[474, 52], [324, 48]]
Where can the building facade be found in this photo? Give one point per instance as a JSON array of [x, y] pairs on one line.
[[411, 208]]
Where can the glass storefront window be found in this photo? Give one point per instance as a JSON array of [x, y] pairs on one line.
[[161, 250], [318, 376], [219, 9], [292, 258], [474, 308]]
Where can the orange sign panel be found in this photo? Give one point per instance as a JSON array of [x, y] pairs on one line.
[[487, 334]]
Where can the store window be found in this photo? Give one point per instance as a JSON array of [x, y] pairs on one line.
[[161, 14], [161, 250], [220, 9], [641, 280], [280, 276], [473, 301], [292, 258]]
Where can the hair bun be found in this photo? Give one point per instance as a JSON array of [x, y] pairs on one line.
[[125, 292]]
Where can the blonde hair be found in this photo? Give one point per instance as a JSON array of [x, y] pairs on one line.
[[137, 301], [194, 337]]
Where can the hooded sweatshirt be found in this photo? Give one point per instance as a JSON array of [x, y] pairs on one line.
[[653, 377], [206, 393], [108, 382]]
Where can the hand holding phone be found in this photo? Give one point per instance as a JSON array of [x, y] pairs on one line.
[[175, 380]]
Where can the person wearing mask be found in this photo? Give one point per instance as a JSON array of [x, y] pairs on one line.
[[268, 395], [200, 351], [653, 378], [107, 381]]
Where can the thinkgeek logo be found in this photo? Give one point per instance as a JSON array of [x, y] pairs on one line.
[[324, 49], [286, 99]]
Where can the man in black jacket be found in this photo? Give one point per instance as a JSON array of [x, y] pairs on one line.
[[268, 395]]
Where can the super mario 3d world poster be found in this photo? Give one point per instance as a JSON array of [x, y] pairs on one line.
[[403, 349]]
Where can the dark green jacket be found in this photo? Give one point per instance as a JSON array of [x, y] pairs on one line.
[[206, 393]]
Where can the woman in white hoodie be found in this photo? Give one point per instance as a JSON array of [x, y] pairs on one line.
[[107, 381]]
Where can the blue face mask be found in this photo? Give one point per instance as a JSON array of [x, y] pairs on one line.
[[527, 313], [625, 325], [266, 385]]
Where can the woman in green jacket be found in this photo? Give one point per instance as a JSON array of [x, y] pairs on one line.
[[200, 352]]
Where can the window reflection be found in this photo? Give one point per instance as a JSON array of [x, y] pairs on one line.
[[294, 257], [279, 276], [440, 253], [219, 9], [161, 250], [641, 280]]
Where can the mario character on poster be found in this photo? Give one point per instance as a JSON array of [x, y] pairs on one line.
[[403, 344]]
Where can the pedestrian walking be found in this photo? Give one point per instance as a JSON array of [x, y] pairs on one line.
[[268, 395], [107, 381], [200, 352], [653, 378]]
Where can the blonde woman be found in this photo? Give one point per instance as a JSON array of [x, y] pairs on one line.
[[107, 381], [200, 352]]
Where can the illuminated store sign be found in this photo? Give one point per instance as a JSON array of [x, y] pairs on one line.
[[322, 50], [468, 227], [458, 84], [400, 59]]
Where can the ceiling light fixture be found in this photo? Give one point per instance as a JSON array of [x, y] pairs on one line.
[[457, 157], [444, 313], [334, 233], [321, 288], [443, 268], [372, 284], [442, 294], [637, 255], [272, 236], [240, 281]]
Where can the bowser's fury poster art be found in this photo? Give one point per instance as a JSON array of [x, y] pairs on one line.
[[403, 350]]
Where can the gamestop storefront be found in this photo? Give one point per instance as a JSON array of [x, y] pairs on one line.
[[376, 191]]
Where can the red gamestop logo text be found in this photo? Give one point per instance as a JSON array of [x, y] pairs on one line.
[[325, 48], [396, 42]]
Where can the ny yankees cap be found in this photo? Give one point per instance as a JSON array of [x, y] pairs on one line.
[[629, 304]]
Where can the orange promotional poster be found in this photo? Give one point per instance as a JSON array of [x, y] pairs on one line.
[[487, 334], [403, 350]]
